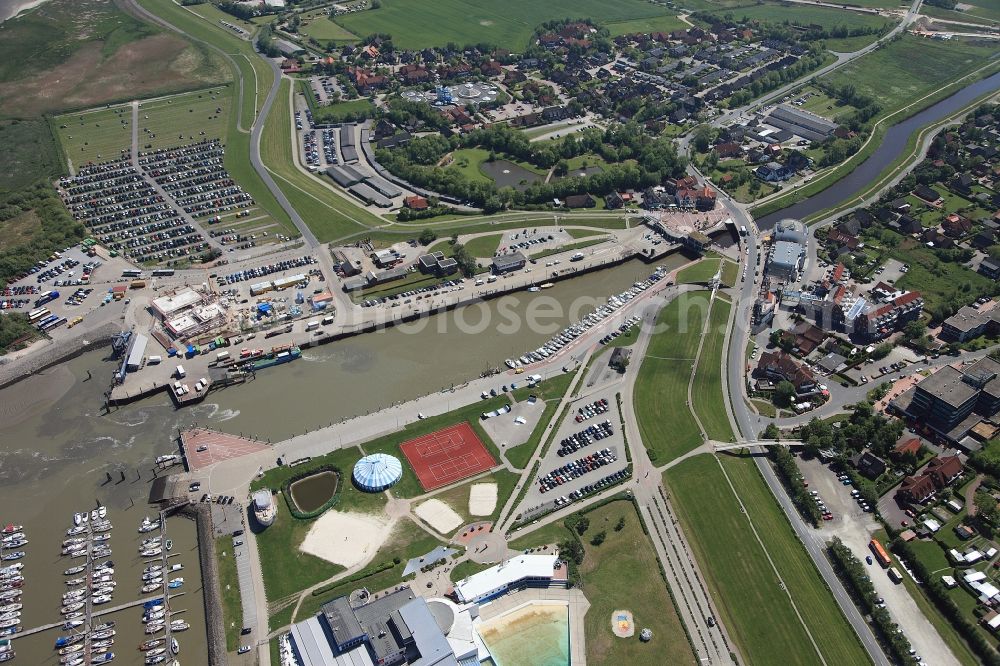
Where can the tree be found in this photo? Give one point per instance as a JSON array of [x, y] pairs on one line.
[[581, 525], [771, 432], [783, 394], [427, 236], [598, 538], [986, 506], [702, 139], [620, 525], [882, 351]]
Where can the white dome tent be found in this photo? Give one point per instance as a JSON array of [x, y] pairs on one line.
[[377, 472]]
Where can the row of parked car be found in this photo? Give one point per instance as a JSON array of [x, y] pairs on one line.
[[576, 469], [591, 410], [827, 514], [577, 441], [422, 292], [262, 271], [593, 487]]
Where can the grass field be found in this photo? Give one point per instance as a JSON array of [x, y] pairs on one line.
[[95, 136], [329, 215], [181, 119], [229, 587], [31, 153], [321, 27], [338, 111], [415, 24], [738, 572], [89, 52], [709, 401], [662, 23], [467, 161], [935, 279], [700, 272], [628, 555], [484, 246], [909, 68], [803, 15], [666, 424], [730, 271]]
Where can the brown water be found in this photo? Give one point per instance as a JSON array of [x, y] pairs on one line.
[[313, 491], [56, 448]]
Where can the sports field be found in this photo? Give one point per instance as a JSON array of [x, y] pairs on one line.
[[95, 136], [666, 423], [187, 118], [447, 455], [415, 24]]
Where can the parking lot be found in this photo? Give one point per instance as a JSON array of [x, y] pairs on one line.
[[586, 454], [534, 240]]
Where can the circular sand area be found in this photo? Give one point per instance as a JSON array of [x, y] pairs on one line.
[[439, 515], [483, 499], [346, 538], [622, 623]]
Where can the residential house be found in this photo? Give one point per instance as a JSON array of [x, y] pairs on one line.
[[779, 366], [908, 447], [416, 203], [580, 201], [928, 194], [956, 226], [773, 172], [990, 268], [869, 465]]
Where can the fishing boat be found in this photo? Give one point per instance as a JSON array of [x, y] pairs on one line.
[[102, 658], [175, 583], [14, 555], [151, 643], [74, 570]]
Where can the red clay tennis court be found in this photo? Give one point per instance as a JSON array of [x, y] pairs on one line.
[[447, 455]]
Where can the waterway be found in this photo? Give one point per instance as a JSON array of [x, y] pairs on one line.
[[57, 447], [892, 147]]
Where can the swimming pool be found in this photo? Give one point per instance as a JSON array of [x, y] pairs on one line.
[[536, 634]]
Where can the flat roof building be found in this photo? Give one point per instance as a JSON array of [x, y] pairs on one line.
[[345, 175], [165, 306], [368, 194], [786, 259], [952, 401], [506, 263], [136, 352], [804, 124], [519, 571]]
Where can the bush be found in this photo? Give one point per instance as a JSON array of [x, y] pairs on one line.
[[598, 538], [581, 525]]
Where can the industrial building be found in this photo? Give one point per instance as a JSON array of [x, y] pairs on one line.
[[345, 175], [348, 147], [167, 306], [801, 123], [136, 352]]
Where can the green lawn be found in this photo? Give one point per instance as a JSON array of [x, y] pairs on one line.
[[829, 627], [936, 280], [416, 24], [709, 401], [484, 246], [730, 271], [742, 580], [180, 119], [666, 423], [329, 215], [32, 153], [339, 111], [628, 555], [662, 23], [467, 161], [700, 272], [229, 587]]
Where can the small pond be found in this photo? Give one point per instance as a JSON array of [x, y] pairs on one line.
[[313, 491], [582, 172], [507, 174]]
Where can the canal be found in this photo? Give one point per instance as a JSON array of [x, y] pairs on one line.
[[892, 147]]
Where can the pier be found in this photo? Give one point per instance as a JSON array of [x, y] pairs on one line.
[[95, 614]]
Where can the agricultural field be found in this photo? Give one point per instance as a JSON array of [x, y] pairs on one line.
[[95, 136], [662, 23], [187, 118], [804, 16], [319, 26], [910, 68], [666, 424], [415, 24], [89, 52]]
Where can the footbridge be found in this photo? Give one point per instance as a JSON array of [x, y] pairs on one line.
[[745, 443]]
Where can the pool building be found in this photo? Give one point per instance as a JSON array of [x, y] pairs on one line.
[[517, 572]]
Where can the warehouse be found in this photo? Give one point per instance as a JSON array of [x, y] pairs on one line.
[[137, 352], [345, 176], [348, 148], [369, 195], [384, 187], [801, 123]]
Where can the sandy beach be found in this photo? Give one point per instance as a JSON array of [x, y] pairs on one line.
[[347, 539]]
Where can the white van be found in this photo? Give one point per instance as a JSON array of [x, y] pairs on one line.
[[153, 360], [181, 374], [312, 326]]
